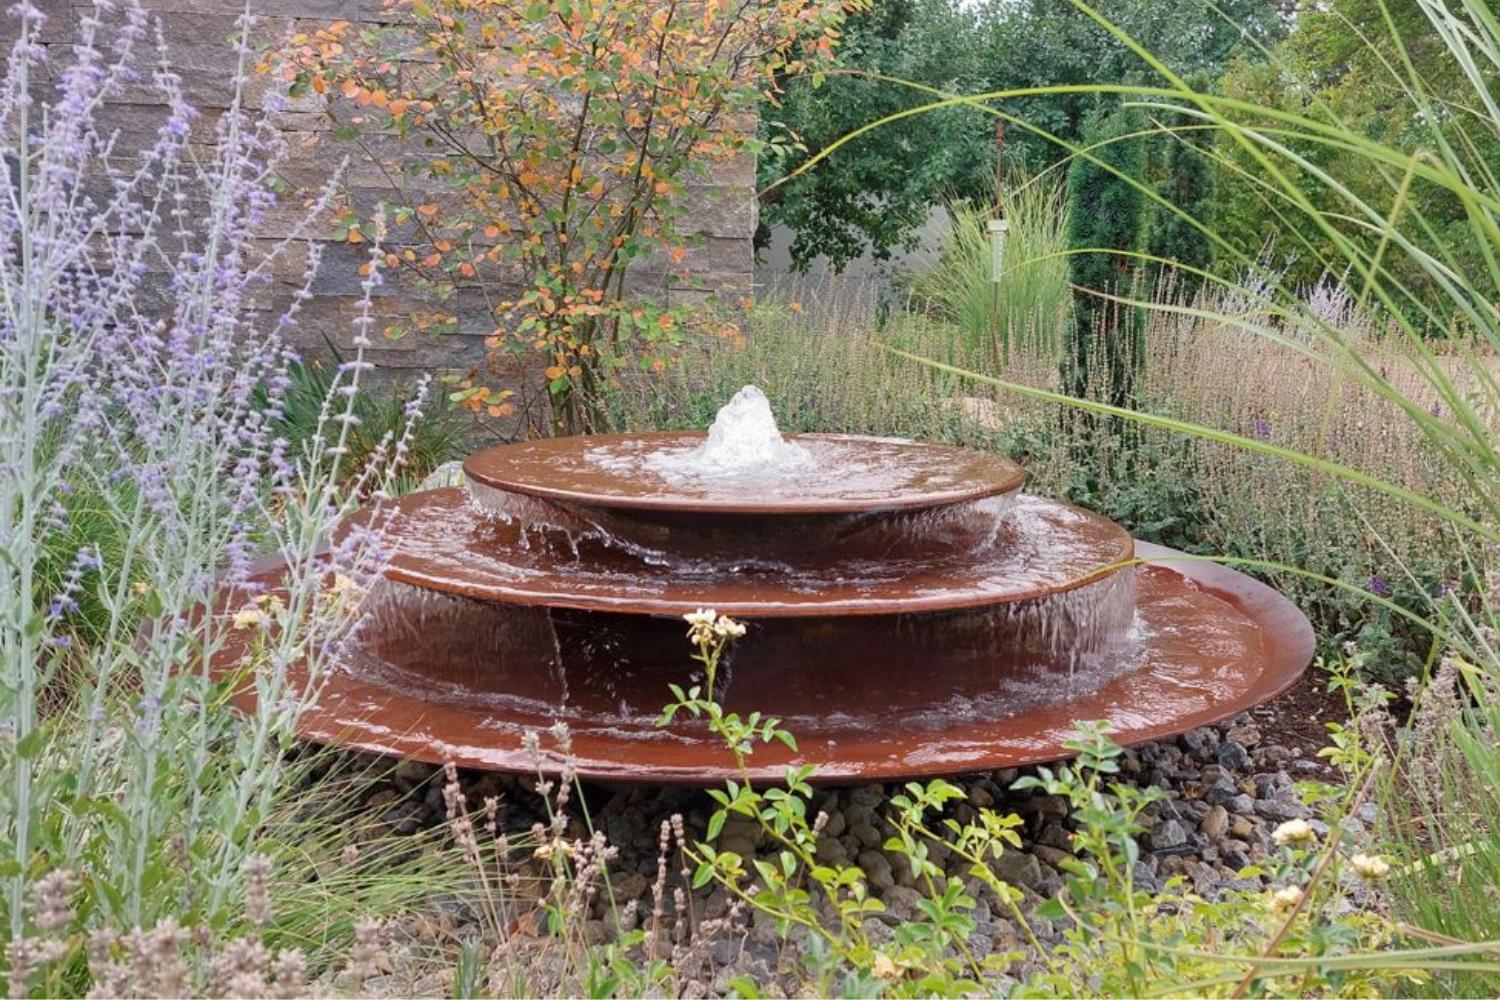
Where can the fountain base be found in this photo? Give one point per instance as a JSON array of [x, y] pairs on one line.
[[1208, 643]]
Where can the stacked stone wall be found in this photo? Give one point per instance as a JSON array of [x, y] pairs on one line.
[[720, 213]]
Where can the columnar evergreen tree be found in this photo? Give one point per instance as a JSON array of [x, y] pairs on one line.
[[1188, 184], [1104, 227]]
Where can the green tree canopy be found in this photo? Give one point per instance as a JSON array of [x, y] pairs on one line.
[[1104, 225], [871, 194], [1040, 43]]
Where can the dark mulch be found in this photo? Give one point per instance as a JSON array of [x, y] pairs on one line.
[[1298, 719]]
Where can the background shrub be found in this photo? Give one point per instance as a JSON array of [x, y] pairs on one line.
[[1030, 302]]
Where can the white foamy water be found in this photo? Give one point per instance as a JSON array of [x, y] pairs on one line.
[[743, 438]]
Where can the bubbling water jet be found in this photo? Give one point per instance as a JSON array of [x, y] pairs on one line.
[[742, 440]]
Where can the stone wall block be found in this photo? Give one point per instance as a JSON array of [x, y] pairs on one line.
[[718, 210], [736, 171], [136, 126], [58, 28], [314, 10]]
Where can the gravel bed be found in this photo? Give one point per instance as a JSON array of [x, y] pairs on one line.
[[1229, 787]]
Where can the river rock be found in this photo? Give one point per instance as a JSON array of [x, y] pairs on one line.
[[1240, 805], [1281, 809], [1233, 756], [1215, 822], [830, 852], [1221, 791], [1197, 740], [1051, 856], [1019, 868], [877, 870], [1055, 835], [865, 832], [1246, 735], [1047, 806], [901, 904], [1166, 835]]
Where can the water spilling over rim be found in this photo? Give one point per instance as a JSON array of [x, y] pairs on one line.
[[444, 543], [592, 669], [690, 547], [1210, 642]]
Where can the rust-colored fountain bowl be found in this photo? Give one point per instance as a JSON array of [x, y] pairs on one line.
[[909, 614], [615, 471]]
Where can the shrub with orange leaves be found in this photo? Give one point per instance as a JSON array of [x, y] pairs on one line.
[[564, 133]]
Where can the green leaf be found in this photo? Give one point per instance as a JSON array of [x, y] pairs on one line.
[[1052, 909], [30, 746], [744, 986]]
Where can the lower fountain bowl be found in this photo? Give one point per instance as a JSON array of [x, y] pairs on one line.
[[1206, 643]]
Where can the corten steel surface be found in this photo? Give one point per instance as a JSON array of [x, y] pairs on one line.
[[909, 613], [850, 474], [1045, 547], [1213, 643]]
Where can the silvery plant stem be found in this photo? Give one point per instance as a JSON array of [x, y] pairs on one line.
[[18, 491]]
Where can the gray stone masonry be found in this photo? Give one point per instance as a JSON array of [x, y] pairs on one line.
[[720, 213]]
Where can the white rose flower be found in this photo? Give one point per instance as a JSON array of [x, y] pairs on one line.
[[701, 625], [728, 628], [1370, 867], [1284, 899], [1294, 831], [248, 617]]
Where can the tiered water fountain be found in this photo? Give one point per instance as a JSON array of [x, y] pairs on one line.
[[909, 611]]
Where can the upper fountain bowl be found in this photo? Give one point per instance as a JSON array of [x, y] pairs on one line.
[[744, 465], [840, 474]]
